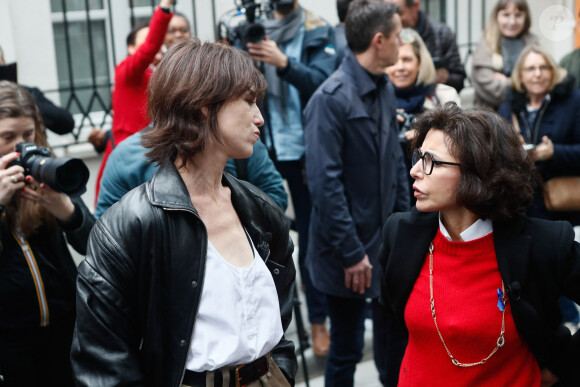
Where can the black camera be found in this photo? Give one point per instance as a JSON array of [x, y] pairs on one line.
[[249, 30], [62, 174], [405, 125]]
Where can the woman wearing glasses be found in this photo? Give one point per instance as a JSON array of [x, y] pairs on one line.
[[472, 281], [544, 108]]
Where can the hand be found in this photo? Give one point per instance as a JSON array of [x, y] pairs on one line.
[[267, 51], [441, 75], [410, 134], [97, 137], [548, 378], [166, 3], [544, 151], [11, 179], [358, 277], [58, 204], [400, 118], [500, 76]]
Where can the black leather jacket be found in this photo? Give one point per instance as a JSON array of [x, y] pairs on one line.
[[139, 288]]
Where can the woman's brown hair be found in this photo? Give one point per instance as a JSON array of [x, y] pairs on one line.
[[188, 88], [24, 215], [492, 35], [496, 172]]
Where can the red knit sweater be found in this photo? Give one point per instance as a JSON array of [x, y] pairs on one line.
[[465, 282]]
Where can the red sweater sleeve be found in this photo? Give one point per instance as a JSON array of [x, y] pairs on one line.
[[132, 75], [137, 63]]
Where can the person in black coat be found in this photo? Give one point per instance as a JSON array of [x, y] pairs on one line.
[[472, 281], [544, 107]]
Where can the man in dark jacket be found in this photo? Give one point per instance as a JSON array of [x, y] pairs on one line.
[[357, 177], [440, 42], [55, 118], [298, 55]]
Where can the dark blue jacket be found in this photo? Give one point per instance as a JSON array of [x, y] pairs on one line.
[[318, 58], [559, 119], [355, 171]]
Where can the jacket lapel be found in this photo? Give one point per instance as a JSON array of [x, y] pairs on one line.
[[512, 250], [412, 240]]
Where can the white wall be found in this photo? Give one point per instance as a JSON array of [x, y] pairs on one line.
[[26, 37], [553, 21]]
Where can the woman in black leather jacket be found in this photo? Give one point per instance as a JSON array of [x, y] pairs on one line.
[[173, 291], [37, 272]]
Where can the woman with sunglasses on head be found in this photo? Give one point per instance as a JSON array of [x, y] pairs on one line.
[[37, 272], [472, 281], [504, 37], [413, 76]]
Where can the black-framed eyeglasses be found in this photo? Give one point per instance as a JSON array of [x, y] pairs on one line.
[[428, 161]]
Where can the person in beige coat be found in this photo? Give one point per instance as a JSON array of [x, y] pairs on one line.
[[505, 36]]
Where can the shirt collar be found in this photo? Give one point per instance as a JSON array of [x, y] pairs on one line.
[[477, 230], [361, 76]]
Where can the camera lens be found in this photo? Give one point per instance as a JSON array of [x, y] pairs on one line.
[[63, 174]]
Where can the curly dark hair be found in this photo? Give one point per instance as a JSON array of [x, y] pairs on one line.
[[496, 172]]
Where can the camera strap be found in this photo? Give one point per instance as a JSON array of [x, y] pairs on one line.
[[36, 277]]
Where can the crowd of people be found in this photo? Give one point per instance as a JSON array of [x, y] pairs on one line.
[[438, 223]]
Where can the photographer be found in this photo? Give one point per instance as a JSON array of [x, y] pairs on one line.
[[298, 55], [37, 272]]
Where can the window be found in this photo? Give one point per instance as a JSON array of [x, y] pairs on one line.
[[83, 59]]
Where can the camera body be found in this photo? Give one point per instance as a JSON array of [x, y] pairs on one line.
[[62, 174], [405, 125], [250, 30]]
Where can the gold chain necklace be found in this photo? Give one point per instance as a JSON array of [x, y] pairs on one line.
[[500, 339]]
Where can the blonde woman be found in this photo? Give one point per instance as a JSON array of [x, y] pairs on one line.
[[413, 76], [505, 36], [544, 107]]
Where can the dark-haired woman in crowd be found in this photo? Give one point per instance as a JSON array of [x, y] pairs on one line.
[[37, 272], [473, 282], [189, 278], [504, 37]]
